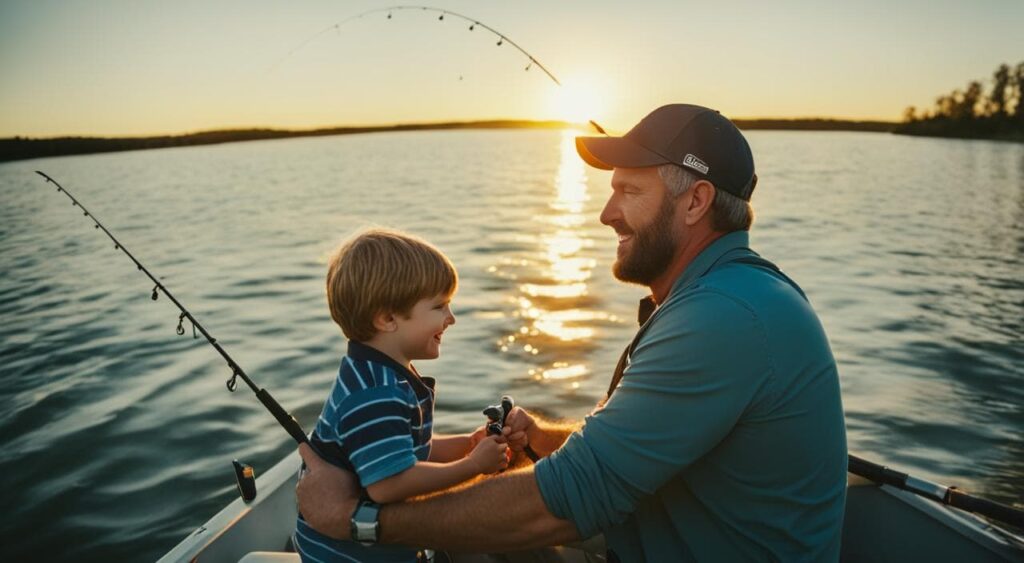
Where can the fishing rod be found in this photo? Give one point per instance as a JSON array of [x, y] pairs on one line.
[[473, 24], [950, 496], [290, 424]]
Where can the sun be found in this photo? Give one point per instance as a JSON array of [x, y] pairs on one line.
[[578, 100]]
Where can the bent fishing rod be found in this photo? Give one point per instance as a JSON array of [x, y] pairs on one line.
[[290, 424], [473, 24]]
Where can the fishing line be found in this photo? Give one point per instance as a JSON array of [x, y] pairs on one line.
[[290, 424]]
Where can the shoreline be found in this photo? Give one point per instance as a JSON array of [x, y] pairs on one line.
[[26, 148]]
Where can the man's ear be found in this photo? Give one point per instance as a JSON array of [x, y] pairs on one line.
[[702, 195], [385, 322]]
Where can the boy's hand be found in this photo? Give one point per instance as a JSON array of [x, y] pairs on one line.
[[489, 455], [518, 427], [477, 435]]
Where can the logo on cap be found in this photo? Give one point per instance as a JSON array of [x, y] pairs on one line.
[[695, 163]]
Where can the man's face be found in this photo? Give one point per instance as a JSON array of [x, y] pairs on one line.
[[642, 213]]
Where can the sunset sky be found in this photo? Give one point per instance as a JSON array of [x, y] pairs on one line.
[[120, 67]]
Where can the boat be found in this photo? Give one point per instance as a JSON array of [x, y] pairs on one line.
[[883, 523]]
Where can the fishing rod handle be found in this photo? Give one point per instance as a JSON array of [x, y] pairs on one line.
[[507, 404], [875, 472], [992, 509], [494, 429], [288, 421]]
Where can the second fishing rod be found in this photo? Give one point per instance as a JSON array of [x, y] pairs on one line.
[[283, 417]]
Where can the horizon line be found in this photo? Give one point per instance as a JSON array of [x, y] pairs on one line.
[[325, 129]]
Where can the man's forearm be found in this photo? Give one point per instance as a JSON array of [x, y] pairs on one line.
[[503, 513], [550, 435]]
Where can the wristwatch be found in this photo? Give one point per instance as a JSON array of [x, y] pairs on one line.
[[365, 527]]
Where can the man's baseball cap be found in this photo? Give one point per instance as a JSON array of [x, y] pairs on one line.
[[699, 139]]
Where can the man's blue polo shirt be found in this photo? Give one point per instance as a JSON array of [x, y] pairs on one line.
[[725, 440]]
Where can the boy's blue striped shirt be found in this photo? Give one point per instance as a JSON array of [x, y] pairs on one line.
[[376, 422]]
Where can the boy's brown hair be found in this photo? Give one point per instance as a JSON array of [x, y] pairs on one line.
[[383, 271]]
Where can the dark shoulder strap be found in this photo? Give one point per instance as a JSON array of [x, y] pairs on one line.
[[644, 313]]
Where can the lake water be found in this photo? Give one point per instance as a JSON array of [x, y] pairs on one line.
[[117, 435]]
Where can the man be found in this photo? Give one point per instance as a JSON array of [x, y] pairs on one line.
[[722, 438]]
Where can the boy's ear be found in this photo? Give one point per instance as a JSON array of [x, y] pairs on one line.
[[385, 322]]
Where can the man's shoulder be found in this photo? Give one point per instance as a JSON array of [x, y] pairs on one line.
[[702, 322], [756, 285], [713, 300], [736, 302]]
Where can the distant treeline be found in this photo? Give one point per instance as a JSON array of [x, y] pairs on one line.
[[20, 148], [972, 113]]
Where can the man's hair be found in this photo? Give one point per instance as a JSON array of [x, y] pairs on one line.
[[383, 271], [728, 212]]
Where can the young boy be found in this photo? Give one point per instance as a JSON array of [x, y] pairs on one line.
[[390, 293]]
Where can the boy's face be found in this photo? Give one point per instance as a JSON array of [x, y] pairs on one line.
[[419, 333]]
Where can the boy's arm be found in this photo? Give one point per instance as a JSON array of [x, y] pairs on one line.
[[427, 477], [448, 448], [424, 477]]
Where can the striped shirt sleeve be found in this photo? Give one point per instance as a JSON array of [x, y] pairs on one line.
[[376, 432]]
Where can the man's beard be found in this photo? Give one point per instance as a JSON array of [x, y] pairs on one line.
[[652, 249]]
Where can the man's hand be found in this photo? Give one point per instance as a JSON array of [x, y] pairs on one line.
[[543, 436], [518, 427], [327, 496]]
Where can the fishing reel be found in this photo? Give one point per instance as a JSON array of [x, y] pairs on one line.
[[496, 415]]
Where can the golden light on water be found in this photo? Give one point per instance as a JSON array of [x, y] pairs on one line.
[[555, 323], [569, 290], [562, 370]]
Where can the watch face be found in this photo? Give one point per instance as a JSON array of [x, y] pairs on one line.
[[366, 530]]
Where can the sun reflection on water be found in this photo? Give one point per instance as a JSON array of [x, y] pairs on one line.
[[556, 320]]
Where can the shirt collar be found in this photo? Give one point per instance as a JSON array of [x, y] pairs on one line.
[[365, 352], [736, 240]]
